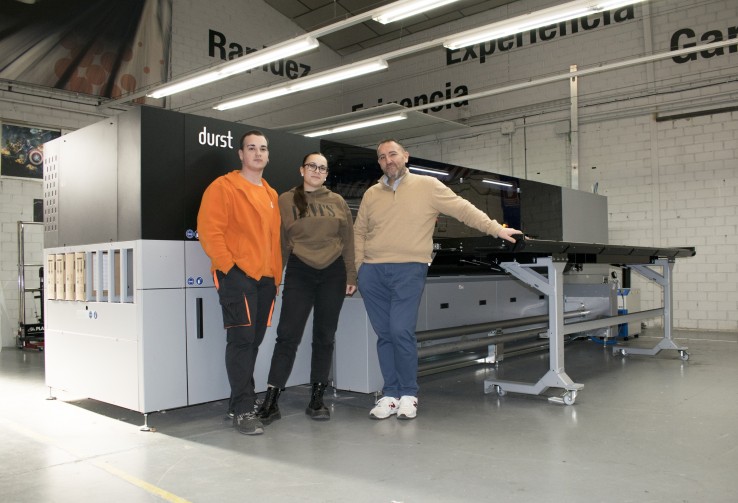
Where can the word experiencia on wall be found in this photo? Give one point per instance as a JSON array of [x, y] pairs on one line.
[[284, 67], [685, 38], [482, 51], [425, 99], [543, 34]]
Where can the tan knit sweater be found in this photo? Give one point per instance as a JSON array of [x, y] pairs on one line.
[[397, 226]]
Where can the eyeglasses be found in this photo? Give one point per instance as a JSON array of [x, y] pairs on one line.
[[314, 167]]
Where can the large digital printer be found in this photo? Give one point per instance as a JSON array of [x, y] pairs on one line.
[[132, 316], [484, 299]]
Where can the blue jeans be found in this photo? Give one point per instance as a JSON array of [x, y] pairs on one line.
[[392, 294]]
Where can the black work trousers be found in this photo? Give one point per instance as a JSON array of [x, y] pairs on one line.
[[306, 289], [247, 306]]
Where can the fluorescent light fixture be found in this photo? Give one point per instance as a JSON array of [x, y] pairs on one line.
[[239, 65], [430, 171], [533, 20], [342, 73], [319, 79], [273, 53], [402, 10], [356, 125], [495, 182]]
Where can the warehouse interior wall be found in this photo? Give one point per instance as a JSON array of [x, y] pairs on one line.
[[659, 139]]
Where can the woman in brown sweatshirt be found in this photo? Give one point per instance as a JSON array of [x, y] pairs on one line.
[[318, 248]]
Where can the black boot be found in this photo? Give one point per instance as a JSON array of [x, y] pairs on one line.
[[269, 410], [316, 409]]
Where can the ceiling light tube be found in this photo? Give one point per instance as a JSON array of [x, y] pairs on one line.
[[402, 10], [341, 73], [319, 79], [252, 98], [356, 125], [431, 171], [495, 182], [184, 85], [239, 65], [269, 54], [533, 20]]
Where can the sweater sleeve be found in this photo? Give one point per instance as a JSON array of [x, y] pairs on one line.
[[285, 202], [348, 245], [449, 203], [360, 233], [212, 222]]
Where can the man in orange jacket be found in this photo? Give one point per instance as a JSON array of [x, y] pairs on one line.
[[238, 226]]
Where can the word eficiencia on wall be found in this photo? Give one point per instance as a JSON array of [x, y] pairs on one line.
[[284, 67], [424, 99], [542, 34]]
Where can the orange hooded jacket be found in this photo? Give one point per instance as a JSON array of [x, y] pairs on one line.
[[231, 228]]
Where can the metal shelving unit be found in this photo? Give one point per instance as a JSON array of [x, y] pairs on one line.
[[30, 335]]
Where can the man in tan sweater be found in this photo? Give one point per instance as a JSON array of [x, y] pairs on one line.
[[393, 236]]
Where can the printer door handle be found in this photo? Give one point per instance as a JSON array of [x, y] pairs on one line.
[[199, 318]]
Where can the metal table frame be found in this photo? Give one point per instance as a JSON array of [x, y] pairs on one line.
[[551, 285]]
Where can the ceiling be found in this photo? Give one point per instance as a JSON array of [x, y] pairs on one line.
[[313, 14]]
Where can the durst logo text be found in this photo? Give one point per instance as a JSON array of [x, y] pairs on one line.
[[205, 137]]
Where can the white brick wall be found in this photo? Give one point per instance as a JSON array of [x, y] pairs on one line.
[[16, 203], [687, 198]]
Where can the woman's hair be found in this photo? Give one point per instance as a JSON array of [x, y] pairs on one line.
[[300, 199]]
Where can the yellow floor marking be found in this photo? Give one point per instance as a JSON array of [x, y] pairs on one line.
[[150, 488]]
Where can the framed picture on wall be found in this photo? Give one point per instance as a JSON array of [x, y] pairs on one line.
[[22, 150]]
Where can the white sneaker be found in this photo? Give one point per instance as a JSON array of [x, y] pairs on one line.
[[384, 408], [408, 408]]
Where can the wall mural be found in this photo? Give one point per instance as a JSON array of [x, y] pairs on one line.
[[94, 47]]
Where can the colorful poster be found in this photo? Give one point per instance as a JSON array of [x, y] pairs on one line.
[[94, 47], [23, 150]]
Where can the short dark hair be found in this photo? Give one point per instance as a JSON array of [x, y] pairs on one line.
[[254, 132], [391, 140]]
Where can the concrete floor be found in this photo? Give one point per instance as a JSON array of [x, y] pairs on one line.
[[643, 429]]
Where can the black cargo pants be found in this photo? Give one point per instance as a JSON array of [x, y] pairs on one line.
[[247, 306]]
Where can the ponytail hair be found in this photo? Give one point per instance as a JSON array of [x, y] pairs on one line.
[[300, 199]]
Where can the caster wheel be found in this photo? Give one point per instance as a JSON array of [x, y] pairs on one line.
[[623, 352], [500, 391], [684, 355], [570, 397]]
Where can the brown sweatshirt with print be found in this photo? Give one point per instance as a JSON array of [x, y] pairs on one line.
[[324, 234]]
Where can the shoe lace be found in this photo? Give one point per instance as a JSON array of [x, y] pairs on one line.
[[247, 416]]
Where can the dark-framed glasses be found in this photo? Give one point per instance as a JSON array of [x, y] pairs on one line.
[[314, 167]]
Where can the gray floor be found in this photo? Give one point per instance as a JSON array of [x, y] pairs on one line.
[[642, 429]]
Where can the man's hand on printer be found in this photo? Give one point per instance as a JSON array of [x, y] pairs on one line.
[[507, 234]]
